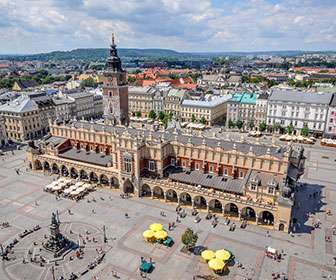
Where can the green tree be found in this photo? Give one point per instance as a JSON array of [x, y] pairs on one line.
[[305, 130], [251, 125], [239, 124], [131, 79], [193, 118], [89, 82], [138, 114], [152, 114], [230, 123], [189, 238], [203, 120], [276, 126], [262, 127], [209, 92], [161, 115], [173, 76], [165, 120], [170, 116], [290, 128]]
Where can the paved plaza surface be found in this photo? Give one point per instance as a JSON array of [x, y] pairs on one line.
[[306, 253]]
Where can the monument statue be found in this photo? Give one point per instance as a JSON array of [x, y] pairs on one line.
[[53, 219]]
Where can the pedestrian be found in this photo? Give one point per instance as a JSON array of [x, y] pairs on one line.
[[150, 259], [267, 233], [93, 211], [126, 215]]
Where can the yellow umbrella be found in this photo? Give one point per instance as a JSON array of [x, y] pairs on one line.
[[216, 264], [208, 255], [156, 227], [161, 234], [223, 255], [148, 233]]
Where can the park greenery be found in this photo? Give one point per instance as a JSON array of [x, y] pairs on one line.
[[89, 82], [41, 77]]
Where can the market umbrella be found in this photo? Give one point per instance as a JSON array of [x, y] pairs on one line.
[[81, 189], [161, 234], [67, 181], [208, 255], [74, 192], [78, 184], [73, 187], [61, 185], [87, 186], [288, 138], [60, 180], [57, 188], [148, 233], [49, 186], [282, 137], [156, 227], [54, 183], [312, 138], [300, 138], [67, 190], [222, 255], [216, 264]]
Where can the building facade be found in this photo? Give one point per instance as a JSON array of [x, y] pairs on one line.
[[261, 110], [241, 180], [140, 99], [242, 107], [115, 90], [22, 119], [298, 108], [213, 111], [173, 100], [330, 126], [3, 133]]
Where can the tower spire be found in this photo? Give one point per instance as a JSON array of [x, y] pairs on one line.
[[113, 38]]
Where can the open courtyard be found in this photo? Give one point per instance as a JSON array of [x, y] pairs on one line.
[[306, 253]]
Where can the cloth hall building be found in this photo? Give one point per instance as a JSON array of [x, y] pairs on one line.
[[239, 179]]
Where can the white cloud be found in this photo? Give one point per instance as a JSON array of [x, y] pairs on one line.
[[185, 25]]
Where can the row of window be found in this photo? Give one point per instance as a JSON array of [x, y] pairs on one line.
[[270, 189]]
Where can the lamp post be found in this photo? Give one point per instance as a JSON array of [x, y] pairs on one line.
[[105, 239], [53, 272]]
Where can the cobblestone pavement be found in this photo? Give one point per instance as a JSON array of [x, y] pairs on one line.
[[306, 253]]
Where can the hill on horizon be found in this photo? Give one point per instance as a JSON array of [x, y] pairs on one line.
[[101, 54]]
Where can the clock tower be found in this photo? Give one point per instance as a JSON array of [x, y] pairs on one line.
[[115, 90]]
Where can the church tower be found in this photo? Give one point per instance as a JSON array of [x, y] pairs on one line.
[[115, 90]]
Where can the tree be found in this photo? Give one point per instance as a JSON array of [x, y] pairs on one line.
[[189, 238], [193, 118], [262, 127], [170, 116], [138, 114], [239, 124], [230, 123], [131, 79], [276, 126], [203, 120], [305, 130], [290, 128], [173, 76], [89, 82], [209, 92], [152, 114], [161, 115], [251, 125]]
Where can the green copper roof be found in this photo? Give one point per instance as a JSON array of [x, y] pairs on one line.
[[246, 97]]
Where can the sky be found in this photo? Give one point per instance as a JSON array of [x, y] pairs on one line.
[[35, 26]]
